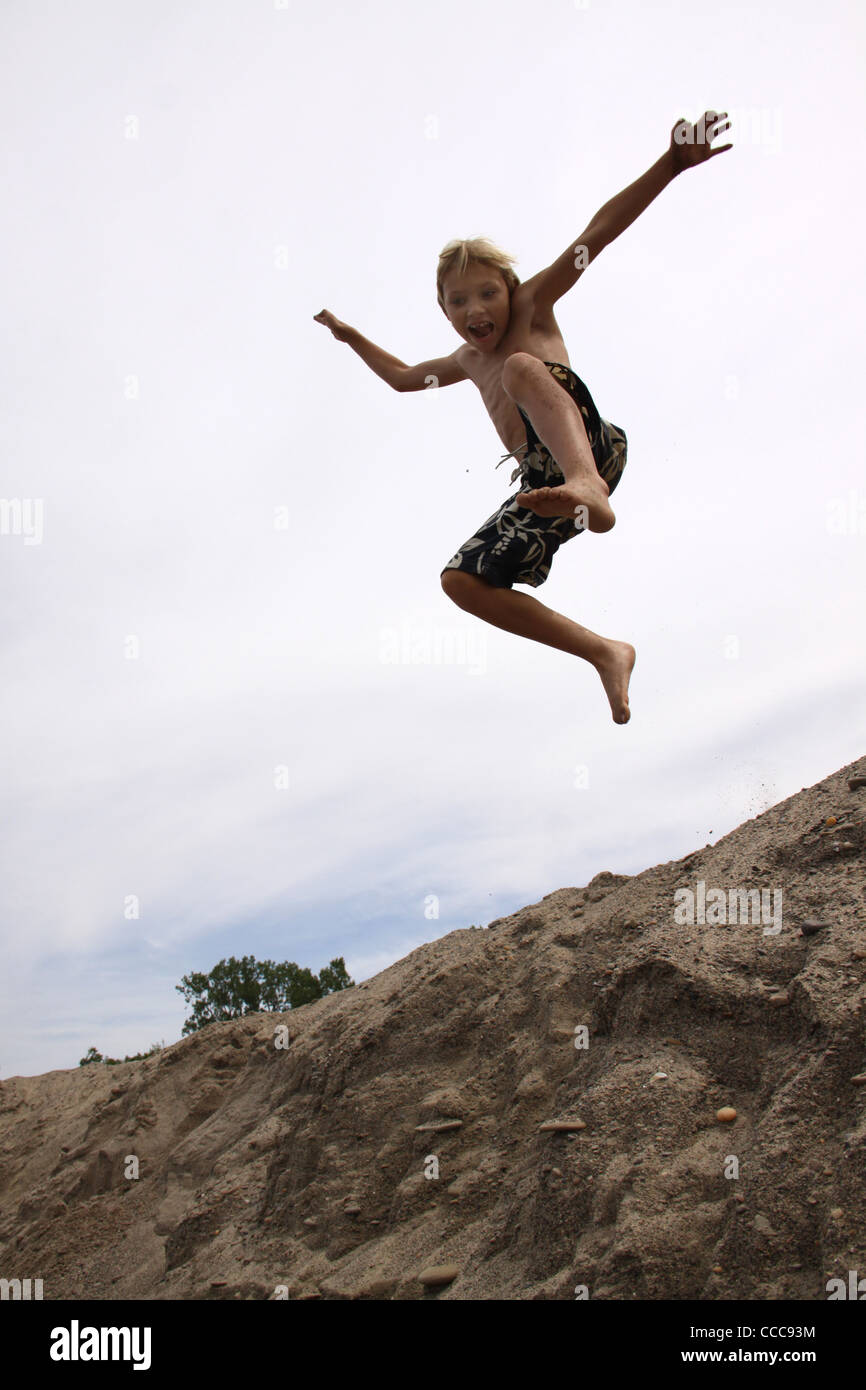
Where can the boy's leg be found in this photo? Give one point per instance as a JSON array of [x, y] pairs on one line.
[[526, 617], [559, 425]]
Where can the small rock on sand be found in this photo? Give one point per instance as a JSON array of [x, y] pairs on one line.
[[812, 928], [435, 1276]]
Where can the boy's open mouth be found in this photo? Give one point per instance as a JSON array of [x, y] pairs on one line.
[[481, 330]]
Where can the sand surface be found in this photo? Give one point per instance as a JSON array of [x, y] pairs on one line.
[[317, 1170]]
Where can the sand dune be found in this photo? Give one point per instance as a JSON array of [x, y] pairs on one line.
[[400, 1130]]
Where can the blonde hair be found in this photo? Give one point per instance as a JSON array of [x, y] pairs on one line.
[[460, 254]]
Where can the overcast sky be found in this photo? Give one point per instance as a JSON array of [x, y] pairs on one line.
[[205, 723]]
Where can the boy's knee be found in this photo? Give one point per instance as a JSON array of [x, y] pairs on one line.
[[516, 367], [458, 584], [466, 590]]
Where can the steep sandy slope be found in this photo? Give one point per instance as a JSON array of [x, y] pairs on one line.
[[313, 1167]]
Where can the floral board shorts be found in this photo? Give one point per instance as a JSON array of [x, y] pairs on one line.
[[515, 545]]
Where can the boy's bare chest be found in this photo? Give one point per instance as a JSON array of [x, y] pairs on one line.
[[485, 370]]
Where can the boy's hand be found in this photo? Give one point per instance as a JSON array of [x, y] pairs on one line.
[[339, 330], [690, 144]]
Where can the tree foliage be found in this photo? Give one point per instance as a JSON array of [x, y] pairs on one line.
[[94, 1056], [246, 986]]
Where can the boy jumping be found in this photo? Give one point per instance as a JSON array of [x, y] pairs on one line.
[[571, 459]]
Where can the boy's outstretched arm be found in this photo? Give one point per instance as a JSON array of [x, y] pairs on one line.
[[690, 145], [440, 371]]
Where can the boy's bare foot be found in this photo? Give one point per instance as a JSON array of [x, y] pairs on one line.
[[615, 669], [565, 500]]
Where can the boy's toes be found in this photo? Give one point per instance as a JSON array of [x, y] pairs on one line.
[[535, 498]]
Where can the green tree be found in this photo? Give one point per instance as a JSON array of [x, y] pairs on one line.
[[247, 986], [94, 1056]]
